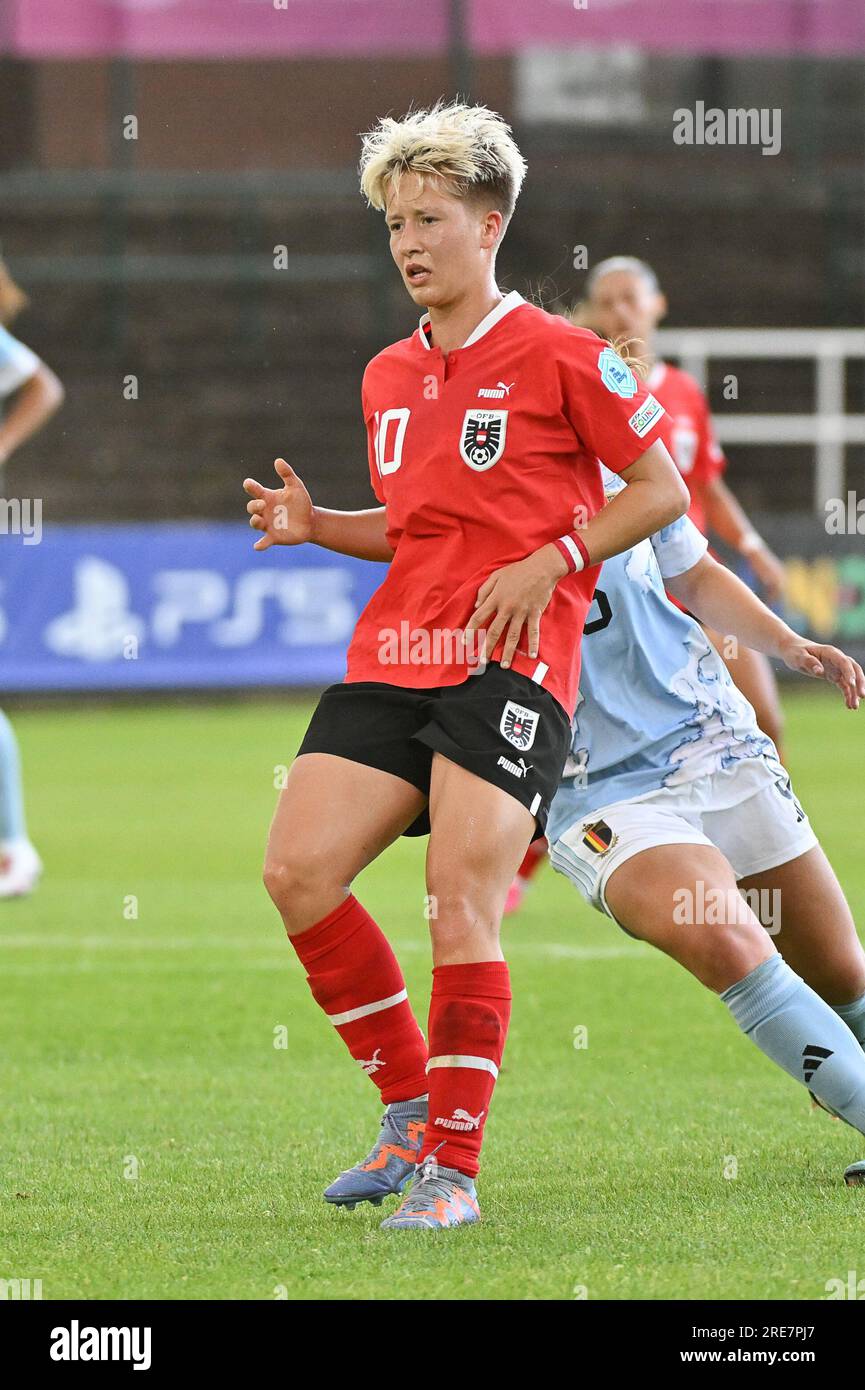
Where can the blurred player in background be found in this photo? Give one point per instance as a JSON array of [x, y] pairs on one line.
[[30, 393], [624, 303], [672, 799], [484, 429]]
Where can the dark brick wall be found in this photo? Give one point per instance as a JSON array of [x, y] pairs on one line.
[[231, 374]]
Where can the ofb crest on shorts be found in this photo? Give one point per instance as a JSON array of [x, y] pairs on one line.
[[519, 725], [482, 441]]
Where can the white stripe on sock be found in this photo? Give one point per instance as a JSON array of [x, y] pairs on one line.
[[473, 1063], [365, 1009]]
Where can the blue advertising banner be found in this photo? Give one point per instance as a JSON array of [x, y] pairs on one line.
[[134, 607], [175, 606]]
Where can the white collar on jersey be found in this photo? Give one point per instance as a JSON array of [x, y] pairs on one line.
[[510, 301], [656, 375]]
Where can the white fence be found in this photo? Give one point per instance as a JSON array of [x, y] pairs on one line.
[[829, 428]]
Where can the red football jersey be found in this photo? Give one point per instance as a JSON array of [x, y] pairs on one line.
[[480, 457], [688, 433]]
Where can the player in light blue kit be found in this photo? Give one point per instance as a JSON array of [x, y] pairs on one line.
[[672, 800], [29, 395]]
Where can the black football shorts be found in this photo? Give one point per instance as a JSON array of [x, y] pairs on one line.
[[498, 724]]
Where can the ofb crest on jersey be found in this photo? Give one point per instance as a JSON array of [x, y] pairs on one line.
[[519, 725], [482, 441]]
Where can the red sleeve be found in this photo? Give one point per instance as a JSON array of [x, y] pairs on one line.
[[612, 412], [371, 432]]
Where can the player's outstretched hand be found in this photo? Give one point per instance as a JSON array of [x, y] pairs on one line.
[[284, 514], [829, 664], [514, 598]]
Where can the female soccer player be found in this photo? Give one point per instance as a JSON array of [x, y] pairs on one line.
[[31, 394], [672, 800], [484, 429], [624, 301]]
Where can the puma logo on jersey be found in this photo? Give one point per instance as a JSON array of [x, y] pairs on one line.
[[461, 1120], [497, 392], [518, 769], [373, 1065]]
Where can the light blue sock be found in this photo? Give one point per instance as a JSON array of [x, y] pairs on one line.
[[12, 826], [803, 1034], [854, 1016]]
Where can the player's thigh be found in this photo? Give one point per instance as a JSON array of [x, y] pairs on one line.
[[478, 837], [752, 672], [334, 817], [684, 899], [814, 926]]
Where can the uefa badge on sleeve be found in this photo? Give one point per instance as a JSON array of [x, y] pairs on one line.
[[616, 374], [482, 441], [519, 725]]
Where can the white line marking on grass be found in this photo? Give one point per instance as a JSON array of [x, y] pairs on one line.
[[555, 950]]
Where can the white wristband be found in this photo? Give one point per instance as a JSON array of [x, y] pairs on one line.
[[573, 551]]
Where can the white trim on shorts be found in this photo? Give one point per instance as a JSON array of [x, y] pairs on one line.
[[676, 815]]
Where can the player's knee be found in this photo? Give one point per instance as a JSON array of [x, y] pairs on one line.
[[281, 878], [293, 882], [730, 953], [458, 913]]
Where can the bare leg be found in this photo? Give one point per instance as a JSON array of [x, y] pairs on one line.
[[479, 835], [776, 1009], [645, 896], [818, 936], [333, 818], [478, 838]]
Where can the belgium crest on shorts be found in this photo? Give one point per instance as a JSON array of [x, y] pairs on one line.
[[519, 725], [599, 837], [482, 441]]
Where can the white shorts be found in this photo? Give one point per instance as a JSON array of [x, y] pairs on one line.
[[748, 812]]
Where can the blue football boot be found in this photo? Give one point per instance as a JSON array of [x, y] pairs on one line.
[[438, 1198], [392, 1161]]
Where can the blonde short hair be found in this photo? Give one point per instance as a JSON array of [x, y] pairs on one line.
[[470, 148]]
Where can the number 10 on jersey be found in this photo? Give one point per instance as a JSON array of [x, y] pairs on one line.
[[389, 437]]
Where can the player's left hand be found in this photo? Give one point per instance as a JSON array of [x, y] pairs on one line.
[[514, 598], [829, 664], [769, 571]]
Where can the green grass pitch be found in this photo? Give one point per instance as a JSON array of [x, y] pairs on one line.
[[156, 1144]]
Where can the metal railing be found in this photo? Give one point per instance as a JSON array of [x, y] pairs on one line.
[[829, 428]]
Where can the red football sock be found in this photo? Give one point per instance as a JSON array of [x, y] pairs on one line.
[[468, 1023], [534, 858], [355, 977]]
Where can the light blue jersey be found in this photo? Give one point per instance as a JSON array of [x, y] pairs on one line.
[[17, 365], [656, 707]]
